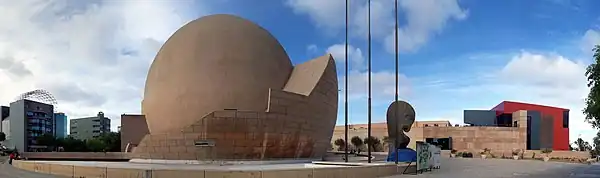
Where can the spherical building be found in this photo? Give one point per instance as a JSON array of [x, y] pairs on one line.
[[224, 88]]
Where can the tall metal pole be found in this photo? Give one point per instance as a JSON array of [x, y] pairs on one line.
[[396, 96], [369, 67], [346, 91]]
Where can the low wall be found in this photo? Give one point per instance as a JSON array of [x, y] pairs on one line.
[[530, 154], [99, 156], [103, 172]]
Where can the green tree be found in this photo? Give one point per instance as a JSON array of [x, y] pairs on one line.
[[47, 140], [2, 136], [95, 145], [357, 142], [595, 151], [582, 145], [340, 143], [592, 102], [111, 141], [71, 144]]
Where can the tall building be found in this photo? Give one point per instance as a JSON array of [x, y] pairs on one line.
[[60, 125], [89, 127], [27, 120], [4, 112]]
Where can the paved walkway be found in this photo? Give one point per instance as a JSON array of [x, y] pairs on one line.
[[499, 168], [8, 171]]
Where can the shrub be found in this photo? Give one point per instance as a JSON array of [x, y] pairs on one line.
[[467, 155], [516, 152], [485, 151], [459, 154], [547, 150]]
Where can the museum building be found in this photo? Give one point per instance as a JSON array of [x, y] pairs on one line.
[[508, 126], [223, 88]]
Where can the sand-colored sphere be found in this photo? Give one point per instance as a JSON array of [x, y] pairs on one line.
[[213, 63]]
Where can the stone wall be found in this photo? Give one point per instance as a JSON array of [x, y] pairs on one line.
[[76, 155], [475, 139], [100, 171]]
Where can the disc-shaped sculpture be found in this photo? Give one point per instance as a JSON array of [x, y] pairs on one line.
[[400, 118], [213, 63]]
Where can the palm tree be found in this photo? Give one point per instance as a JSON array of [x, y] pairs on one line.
[[340, 143], [374, 143], [357, 142]]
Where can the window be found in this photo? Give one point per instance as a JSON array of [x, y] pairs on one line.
[[565, 119]]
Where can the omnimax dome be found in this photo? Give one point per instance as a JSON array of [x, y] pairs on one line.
[[223, 88]]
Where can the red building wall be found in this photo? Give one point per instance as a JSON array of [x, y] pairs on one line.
[[561, 135]]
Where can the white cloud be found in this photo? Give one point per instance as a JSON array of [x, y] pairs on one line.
[[382, 83], [424, 18], [92, 55], [312, 48], [589, 40], [355, 56], [550, 80], [328, 15]]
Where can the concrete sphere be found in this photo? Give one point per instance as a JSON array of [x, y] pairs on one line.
[[213, 63]]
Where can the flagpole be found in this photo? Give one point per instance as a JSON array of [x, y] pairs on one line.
[[369, 67], [346, 91], [396, 59]]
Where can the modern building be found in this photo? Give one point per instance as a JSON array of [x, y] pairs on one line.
[[223, 88], [60, 125], [4, 113], [547, 126], [89, 127], [26, 121], [506, 127]]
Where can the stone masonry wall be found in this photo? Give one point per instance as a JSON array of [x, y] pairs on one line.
[[294, 126], [475, 139]]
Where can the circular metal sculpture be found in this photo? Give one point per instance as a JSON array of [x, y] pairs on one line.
[[42, 96], [400, 118]]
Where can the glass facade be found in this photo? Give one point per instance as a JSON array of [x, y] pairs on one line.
[[60, 125]]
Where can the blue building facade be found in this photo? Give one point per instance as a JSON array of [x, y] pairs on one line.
[[60, 125]]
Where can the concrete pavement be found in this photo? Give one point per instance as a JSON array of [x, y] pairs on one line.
[[501, 168], [8, 171]]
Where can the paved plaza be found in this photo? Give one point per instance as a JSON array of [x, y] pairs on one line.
[[505, 168], [451, 168], [8, 171]]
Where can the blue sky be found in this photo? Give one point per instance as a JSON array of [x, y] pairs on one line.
[[455, 54]]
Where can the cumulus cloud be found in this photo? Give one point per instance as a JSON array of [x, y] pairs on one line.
[[382, 83], [424, 18], [551, 80], [355, 56], [589, 40], [92, 55]]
